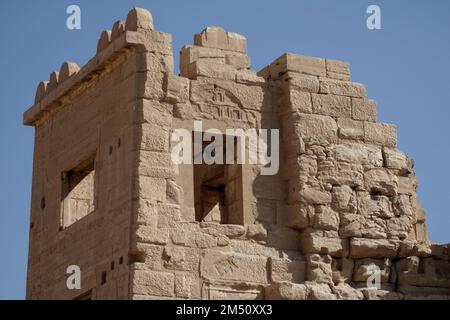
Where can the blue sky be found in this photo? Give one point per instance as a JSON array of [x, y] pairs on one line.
[[405, 67]]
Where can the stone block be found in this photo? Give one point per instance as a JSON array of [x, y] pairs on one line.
[[283, 238], [320, 127], [139, 19], [367, 268], [395, 159], [381, 181], [216, 37], [208, 69], [297, 63], [295, 216], [380, 133], [364, 110], [350, 129], [154, 138], [332, 105], [298, 101], [149, 234], [302, 82], [358, 154], [153, 283], [318, 268], [326, 218], [151, 188], [313, 196], [342, 88], [286, 291], [233, 267], [238, 61], [287, 270], [177, 89], [339, 70], [323, 242], [373, 248], [343, 199], [342, 270]]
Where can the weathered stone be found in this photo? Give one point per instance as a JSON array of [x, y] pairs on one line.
[[317, 127], [368, 268], [338, 69], [345, 292], [378, 206], [283, 238], [342, 88], [364, 110], [257, 231], [343, 199], [287, 270], [302, 82], [373, 248], [359, 154], [319, 291], [297, 63], [299, 101], [148, 234], [341, 205], [326, 219], [350, 129], [314, 196], [177, 89], [380, 133], [319, 241], [234, 267], [216, 37], [286, 291], [139, 19], [331, 105], [318, 268], [395, 159], [153, 283], [381, 181], [342, 270]]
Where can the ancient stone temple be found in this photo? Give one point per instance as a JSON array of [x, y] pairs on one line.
[[108, 197]]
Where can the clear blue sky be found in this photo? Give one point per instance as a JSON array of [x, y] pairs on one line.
[[405, 66]]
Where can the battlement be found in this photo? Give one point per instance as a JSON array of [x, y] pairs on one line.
[[136, 31], [108, 197]]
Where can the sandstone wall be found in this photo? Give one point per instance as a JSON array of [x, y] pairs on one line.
[[343, 201]]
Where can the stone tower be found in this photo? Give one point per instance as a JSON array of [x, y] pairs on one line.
[[107, 196]]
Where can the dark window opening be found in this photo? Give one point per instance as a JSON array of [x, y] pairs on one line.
[[103, 280], [218, 191]]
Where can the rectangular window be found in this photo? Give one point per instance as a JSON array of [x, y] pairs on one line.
[[77, 193], [218, 192]]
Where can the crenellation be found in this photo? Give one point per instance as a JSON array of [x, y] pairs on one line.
[[117, 30], [104, 41]]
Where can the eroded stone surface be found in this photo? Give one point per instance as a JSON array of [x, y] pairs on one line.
[[342, 205]]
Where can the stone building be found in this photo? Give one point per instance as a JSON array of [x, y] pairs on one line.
[[107, 197]]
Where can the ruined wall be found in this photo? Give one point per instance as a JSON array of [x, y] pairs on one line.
[[343, 201]]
